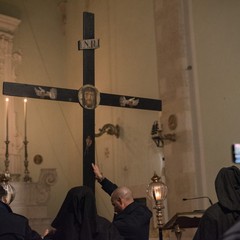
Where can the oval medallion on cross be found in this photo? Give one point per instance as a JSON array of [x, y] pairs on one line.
[[88, 96]]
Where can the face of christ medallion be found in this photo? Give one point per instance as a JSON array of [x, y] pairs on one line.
[[89, 97]]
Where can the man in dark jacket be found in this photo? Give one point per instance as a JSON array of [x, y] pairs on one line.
[[132, 219], [14, 226], [219, 217]]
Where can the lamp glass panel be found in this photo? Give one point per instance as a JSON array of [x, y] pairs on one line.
[[157, 191]]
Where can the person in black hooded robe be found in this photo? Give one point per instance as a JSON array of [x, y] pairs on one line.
[[222, 215], [232, 233], [77, 219]]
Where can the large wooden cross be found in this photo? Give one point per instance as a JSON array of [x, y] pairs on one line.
[[88, 44]]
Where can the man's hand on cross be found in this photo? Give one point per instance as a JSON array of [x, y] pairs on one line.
[[98, 174]]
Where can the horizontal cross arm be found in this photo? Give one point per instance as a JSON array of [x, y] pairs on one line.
[[40, 92], [130, 102], [71, 95]]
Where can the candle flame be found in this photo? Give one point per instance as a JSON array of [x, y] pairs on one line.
[[25, 99], [7, 99], [158, 195]]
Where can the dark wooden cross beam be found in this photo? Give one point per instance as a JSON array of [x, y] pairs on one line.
[[88, 45]]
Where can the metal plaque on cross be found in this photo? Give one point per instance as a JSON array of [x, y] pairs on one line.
[[87, 96]]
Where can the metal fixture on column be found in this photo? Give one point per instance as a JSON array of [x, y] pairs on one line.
[[158, 137], [157, 191]]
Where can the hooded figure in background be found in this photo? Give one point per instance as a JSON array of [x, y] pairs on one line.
[[77, 219], [219, 217]]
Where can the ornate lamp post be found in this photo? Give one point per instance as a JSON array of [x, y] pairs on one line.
[[157, 191]]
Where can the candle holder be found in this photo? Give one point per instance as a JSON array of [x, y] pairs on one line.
[[27, 177], [7, 162], [5, 177]]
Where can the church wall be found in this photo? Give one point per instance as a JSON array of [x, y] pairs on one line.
[[217, 60], [197, 62], [146, 49], [41, 42], [175, 91], [197, 74], [125, 64]]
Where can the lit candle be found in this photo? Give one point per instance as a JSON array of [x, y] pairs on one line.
[[157, 195], [25, 118], [7, 100]]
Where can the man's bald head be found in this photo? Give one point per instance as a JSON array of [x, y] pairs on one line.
[[121, 198]]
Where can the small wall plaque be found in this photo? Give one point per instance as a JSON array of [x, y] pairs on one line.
[[38, 159], [172, 122]]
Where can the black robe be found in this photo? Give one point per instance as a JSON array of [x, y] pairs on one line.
[[133, 222], [219, 217], [77, 219], [14, 226], [232, 233]]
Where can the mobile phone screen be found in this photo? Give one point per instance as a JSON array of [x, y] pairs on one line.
[[236, 153]]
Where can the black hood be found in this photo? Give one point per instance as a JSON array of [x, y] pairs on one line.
[[76, 218], [227, 185]]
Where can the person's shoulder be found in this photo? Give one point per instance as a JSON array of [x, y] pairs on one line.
[[139, 207], [102, 220], [216, 211], [233, 232], [213, 207], [19, 217]]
